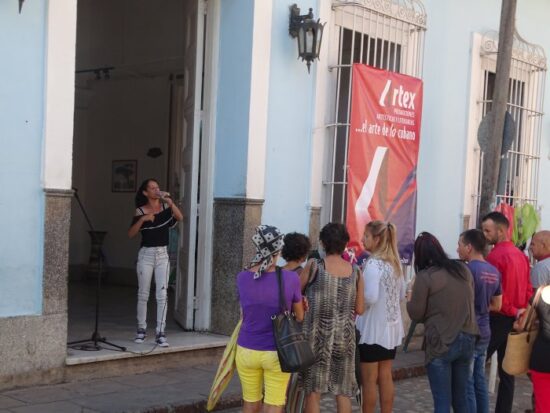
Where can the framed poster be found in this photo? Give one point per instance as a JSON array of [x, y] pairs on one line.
[[124, 176]]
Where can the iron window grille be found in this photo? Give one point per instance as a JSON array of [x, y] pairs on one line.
[[387, 34], [525, 104]]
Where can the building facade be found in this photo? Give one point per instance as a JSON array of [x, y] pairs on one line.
[[208, 96]]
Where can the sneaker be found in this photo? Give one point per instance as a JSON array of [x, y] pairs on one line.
[[161, 340], [140, 336]]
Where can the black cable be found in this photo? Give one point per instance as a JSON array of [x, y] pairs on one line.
[[145, 353], [139, 353]]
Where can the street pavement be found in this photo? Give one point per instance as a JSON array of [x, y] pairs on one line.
[[414, 396], [185, 390], [168, 390]]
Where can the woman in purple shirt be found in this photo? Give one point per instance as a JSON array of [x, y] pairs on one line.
[[257, 361]]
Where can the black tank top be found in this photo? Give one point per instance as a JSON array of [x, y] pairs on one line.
[[156, 233]]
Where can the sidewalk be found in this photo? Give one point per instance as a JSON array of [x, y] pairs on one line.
[[183, 390]]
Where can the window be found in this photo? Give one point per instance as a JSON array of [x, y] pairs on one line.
[[386, 34], [519, 185]]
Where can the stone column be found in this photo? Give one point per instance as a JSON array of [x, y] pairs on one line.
[[34, 347], [234, 222], [314, 226]]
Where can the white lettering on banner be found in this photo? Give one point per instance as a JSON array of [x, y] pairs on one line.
[[394, 119], [386, 130], [402, 97], [382, 100], [402, 112], [406, 134], [393, 125], [373, 128]]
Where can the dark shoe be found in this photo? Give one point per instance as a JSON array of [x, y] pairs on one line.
[[140, 336], [161, 340]]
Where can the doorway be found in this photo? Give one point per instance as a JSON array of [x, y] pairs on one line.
[[138, 101]]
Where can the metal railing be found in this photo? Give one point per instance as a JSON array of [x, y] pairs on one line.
[[387, 34], [525, 103]]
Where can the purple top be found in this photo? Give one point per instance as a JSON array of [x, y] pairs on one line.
[[486, 286], [259, 301]]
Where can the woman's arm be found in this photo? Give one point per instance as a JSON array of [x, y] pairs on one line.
[[403, 288], [360, 298], [372, 276], [297, 300], [175, 210], [304, 275], [416, 307], [298, 310], [134, 229], [519, 324], [496, 303]]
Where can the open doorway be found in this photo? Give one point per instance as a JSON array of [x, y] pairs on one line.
[[137, 107]]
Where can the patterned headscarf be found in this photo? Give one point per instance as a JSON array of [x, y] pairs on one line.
[[268, 241]]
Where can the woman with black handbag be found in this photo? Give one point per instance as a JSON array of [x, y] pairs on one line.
[[332, 285], [257, 360]]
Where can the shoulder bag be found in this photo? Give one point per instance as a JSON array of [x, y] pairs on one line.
[[520, 343], [293, 348]]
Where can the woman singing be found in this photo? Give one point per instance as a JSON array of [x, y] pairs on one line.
[[155, 214]]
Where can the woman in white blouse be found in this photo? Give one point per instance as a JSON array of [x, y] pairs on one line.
[[381, 326]]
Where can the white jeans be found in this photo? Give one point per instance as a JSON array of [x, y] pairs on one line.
[[152, 260]]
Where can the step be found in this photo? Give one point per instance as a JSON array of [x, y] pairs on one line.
[[187, 349]]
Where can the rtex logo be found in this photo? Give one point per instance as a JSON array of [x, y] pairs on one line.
[[401, 97]]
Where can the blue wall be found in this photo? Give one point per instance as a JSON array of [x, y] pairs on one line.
[[443, 152], [22, 44], [447, 72], [290, 113], [291, 99], [232, 124]]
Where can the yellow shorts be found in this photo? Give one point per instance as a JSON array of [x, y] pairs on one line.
[[258, 369]]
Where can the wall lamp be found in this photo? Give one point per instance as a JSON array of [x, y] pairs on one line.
[[309, 33]]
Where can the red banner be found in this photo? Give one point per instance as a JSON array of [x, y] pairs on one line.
[[386, 109]]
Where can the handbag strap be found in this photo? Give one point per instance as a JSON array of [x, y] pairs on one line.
[[531, 314], [282, 303]]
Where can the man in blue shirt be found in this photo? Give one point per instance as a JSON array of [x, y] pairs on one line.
[[488, 297]]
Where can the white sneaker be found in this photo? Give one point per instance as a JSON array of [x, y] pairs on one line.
[[161, 340], [140, 336]]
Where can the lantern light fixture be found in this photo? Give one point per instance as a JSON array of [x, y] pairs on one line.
[[309, 33]]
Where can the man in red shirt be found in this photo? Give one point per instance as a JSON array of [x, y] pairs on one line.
[[516, 292]]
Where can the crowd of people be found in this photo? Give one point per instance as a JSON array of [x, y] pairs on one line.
[[467, 306], [351, 309]]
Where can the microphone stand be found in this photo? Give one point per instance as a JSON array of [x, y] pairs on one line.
[[92, 344]]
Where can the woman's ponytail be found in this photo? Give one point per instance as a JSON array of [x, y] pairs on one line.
[[392, 244], [387, 246]]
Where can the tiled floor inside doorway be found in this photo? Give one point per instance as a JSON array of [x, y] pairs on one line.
[[117, 323]]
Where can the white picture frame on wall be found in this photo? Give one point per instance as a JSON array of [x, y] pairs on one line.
[[124, 175]]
